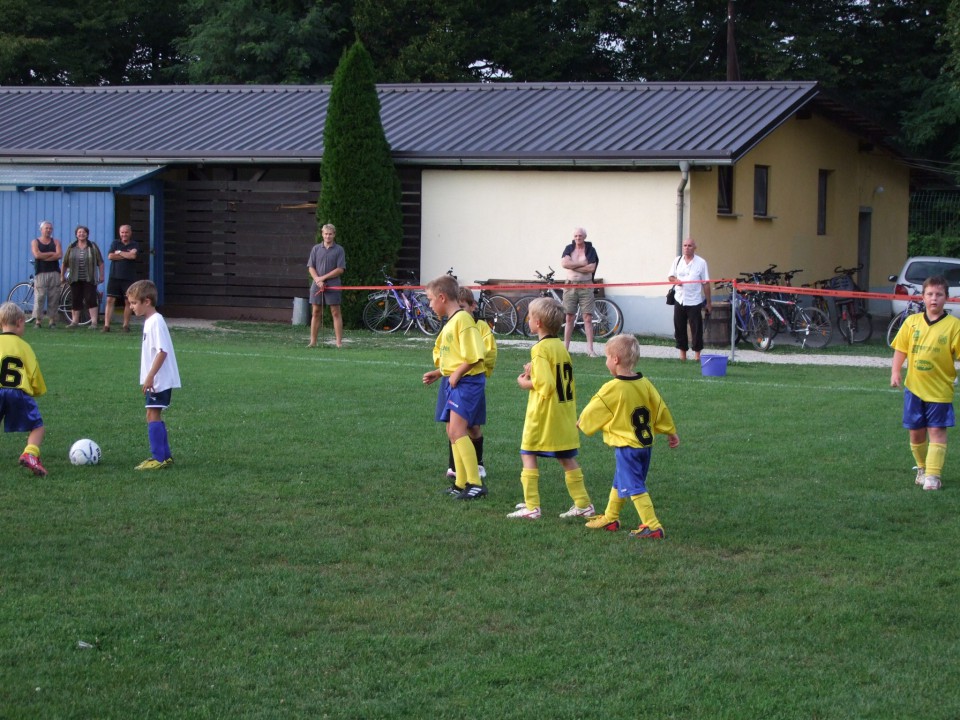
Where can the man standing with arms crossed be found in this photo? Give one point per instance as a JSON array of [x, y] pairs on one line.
[[123, 272], [327, 263], [46, 274], [580, 261]]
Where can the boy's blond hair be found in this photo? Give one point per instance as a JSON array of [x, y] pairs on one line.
[[445, 285], [625, 348], [465, 295], [11, 314], [549, 312], [143, 290]]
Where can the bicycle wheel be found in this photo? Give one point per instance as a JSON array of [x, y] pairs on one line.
[[427, 320], [607, 318], [894, 327], [759, 326], [22, 295], [813, 327], [523, 306], [500, 314], [383, 314], [861, 327], [66, 307]]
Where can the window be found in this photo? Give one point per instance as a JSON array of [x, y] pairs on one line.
[[822, 181], [761, 190], [725, 189]]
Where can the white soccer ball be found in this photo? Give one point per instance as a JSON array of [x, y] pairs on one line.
[[85, 452]]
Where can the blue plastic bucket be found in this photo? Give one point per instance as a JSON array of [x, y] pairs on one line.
[[713, 365]]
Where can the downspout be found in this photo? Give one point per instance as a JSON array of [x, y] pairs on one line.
[[684, 178]]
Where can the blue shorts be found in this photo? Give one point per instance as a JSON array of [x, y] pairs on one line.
[[918, 414], [158, 399], [630, 476], [468, 400], [19, 411], [558, 454]]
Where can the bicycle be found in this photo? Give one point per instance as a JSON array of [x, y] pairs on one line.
[[401, 306], [853, 320], [498, 312], [23, 294], [752, 321], [914, 305], [607, 317], [811, 326]]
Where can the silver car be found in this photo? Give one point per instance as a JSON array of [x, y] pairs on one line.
[[916, 270]]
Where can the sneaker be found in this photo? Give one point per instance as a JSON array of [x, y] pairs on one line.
[[525, 514], [152, 464], [931, 482], [921, 476], [575, 512], [32, 463], [483, 471], [646, 533], [452, 491], [601, 522], [472, 492], [451, 473]]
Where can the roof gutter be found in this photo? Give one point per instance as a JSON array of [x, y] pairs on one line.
[[684, 178]]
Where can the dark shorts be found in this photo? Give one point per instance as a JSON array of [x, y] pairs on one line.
[[158, 400], [117, 288], [919, 414], [83, 295], [19, 411], [558, 454], [630, 476], [328, 297], [467, 399]]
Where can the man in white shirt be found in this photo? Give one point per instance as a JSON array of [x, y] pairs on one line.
[[693, 298]]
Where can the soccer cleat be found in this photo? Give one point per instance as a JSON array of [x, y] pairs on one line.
[[523, 513], [152, 464], [33, 464], [483, 471], [601, 522], [575, 512], [646, 533], [452, 491], [921, 476], [931, 482], [451, 473], [472, 492]]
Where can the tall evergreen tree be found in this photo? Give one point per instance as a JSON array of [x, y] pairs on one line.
[[360, 189]]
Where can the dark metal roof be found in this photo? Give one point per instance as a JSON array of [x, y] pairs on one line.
[[591, 124], [114, 177]]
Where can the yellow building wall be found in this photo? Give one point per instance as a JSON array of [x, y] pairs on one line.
[[795, 153]]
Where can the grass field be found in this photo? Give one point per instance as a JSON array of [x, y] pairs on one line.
[[300, 561]]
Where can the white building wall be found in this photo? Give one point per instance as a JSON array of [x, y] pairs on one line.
[[505, 224]]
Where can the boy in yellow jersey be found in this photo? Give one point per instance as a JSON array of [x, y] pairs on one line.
[[469, 303], [930, 343], [20, 382], [461, 402], [630, 412], [550, 425]]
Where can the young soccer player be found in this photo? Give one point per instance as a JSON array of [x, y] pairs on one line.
[[461, 402], [20, 382], [630, 412], [469, 303], [159, 374], [930, 343], [550, 425]]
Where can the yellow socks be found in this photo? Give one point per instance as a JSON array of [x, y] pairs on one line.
[[614, 505], [530, 479], [32, 450], [919, 454], [644, 506], [936, 455], [465, 462], [576, 488]]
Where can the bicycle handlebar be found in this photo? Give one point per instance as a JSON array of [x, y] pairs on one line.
[[848, 271]]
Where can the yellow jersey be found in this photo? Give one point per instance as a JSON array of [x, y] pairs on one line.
[[931, 349], [459, 342], [19, 369], [630, 412], [551, 420], [489, 347]]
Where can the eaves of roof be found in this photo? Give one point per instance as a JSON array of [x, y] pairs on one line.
[[515, 124]]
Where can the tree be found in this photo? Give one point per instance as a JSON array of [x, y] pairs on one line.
[[360, 190], [265, 41]]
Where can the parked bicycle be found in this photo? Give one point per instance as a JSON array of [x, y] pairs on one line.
[[853, 320], [498, 312], [400, 306], [23, 294], [607, 317], [752, 321], [914, 305], [809, 325]]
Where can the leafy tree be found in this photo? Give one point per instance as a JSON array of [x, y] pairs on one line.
[[265, 41], [360, 190]]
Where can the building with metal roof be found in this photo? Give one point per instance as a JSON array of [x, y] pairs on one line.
[[495, 175]]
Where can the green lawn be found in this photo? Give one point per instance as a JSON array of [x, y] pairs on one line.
[[300, 561]]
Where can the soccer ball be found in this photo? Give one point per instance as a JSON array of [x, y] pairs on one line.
[[85, 452]]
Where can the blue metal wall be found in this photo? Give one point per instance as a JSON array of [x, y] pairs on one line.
[[22, 212]]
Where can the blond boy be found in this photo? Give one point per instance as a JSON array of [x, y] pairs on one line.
[[20, 382]]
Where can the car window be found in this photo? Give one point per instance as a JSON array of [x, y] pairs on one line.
[[917, 272]]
